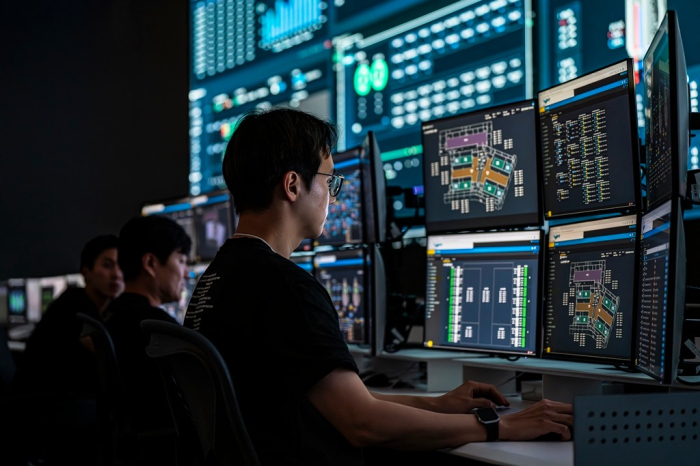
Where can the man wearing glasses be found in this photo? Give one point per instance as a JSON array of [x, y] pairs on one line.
[[298, 386]]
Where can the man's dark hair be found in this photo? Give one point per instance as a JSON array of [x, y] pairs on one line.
[[267, 144], [158, 235], [93, 249]]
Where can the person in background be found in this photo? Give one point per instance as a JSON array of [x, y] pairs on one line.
[[56, 359], [153, 257], [275, 325]]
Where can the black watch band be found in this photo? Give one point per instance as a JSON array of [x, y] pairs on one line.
[[489, 418]]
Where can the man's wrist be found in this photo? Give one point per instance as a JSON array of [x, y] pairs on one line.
[[489, 418]]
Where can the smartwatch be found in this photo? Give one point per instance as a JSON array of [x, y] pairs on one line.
[[489, 418]]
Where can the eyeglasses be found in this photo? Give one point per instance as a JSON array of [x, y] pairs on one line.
[[334, 183]]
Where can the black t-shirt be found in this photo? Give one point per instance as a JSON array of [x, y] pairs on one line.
[[54, 359], [277, 329], [144, 387]]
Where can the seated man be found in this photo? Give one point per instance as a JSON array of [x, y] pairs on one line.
[[275, 325], [153, 257], [55, 359]]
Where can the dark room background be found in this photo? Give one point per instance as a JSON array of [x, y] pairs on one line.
[[93, 123]]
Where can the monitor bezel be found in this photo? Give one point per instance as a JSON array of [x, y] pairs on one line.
[[680, 117], [484, 223], [538, 307], [634, 144], [635, 300]]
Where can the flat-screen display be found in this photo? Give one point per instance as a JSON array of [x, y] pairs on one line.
[[483, 292]]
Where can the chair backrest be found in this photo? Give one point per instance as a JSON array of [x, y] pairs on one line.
[[201, 396], [117, 433]]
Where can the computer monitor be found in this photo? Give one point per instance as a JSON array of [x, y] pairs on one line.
[[481, 169], [343, 274], [667, 114], [374, 191], [49, 289], [177, 209], [214, 221], [590, 290], [17, 303], [483, 292], [660, 310], [589, 144], [344, 222], [356, 282]]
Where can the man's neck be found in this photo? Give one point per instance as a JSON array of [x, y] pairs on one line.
[[140, 288], [271, 228], [98, 299]]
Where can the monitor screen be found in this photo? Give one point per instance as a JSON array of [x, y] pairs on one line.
[[17, 303], [588, 136], [344, 220], [50, 288], [481, 169], [666, 114], [179, 210], [483, 292], [343, 274], [214, 223], [660, 309], [590, 290]]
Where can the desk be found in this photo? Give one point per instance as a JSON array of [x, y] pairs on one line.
[[519, 453]]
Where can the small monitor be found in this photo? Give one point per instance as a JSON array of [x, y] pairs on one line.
[[214, 222], [344, 222], [49, 289], [666, 114], [660, 310], [343, 274], [483, 292], [589, 144], [481, 169], [17, 302], [180, 210], [590, 290]]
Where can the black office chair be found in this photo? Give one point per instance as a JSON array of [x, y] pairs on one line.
[[118, 438], [202, 399]]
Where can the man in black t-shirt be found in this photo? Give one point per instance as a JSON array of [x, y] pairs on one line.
[[298, 386], [56, 359], [153, 257]]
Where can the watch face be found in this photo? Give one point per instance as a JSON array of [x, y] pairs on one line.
[[487, 414]]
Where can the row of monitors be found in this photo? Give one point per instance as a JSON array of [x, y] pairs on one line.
[[24, 300], [571, 152], [608, 290], [208, 220]]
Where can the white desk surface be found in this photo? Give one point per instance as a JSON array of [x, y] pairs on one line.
[[537, 453]]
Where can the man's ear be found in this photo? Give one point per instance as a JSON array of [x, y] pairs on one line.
[[291, 185], [148, 264]]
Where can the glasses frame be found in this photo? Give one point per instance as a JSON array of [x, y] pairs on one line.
[[335, 183]]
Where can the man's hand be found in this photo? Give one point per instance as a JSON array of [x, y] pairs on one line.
[[544, 417], [468, 396]]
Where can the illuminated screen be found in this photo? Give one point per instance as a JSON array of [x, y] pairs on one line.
[[481, 169], [660, 310], [590, 289], [305, 261], [483, 292], [213, 220], [342, 273], [344, 220], [16, 302], [589, 142]]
